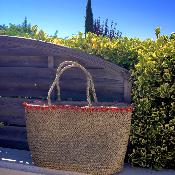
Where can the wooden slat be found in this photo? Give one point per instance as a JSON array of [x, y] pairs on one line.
[[20, 51], [28, 83], [95, 72], [23, 61], [108, 95], [50, 62], [42, 84], [127, 91], [12, 111], [13, 137], [25, 73], [58, 60], [35, 82], [36, 61], [31, 72], [102, 96], [13, 133], [23, 93], [28, 89], [13, 119]]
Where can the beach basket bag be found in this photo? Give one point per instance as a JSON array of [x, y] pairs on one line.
[[90, 139]]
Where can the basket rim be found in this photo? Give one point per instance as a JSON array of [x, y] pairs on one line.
[[32, 106]]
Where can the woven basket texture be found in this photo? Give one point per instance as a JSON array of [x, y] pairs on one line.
[[89, 142]]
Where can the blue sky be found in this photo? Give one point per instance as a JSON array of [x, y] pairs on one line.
[[135, 18]]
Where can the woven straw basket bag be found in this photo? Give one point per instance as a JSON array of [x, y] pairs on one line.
[[89, 139]]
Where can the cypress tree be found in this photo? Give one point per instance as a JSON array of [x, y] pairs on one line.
[[88, 18]]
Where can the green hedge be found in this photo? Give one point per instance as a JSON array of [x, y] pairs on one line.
[[153, 92], [122, 51]]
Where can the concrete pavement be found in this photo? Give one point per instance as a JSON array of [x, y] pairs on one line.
[[19, 162]]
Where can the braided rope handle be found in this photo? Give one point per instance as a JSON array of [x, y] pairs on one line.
[[80, 66], [88, 75], [64, 64], [57, 72], [60, 71]]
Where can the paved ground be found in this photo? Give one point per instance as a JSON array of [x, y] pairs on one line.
[[19, 162], [4, 171]]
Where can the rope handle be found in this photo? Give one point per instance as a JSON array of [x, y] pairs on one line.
[[87, 75], [64, 64], [60, 71], [57, 71], [79, 65]]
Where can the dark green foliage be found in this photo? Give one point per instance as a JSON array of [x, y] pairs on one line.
[[89, 18], [157, 32], [14, 29], [102, 28], [3, 27], [172, 36], [119, 50], [97, 27], [26, 27], [153, 124], [26, 30]]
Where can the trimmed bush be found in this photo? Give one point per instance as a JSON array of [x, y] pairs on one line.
[[122, 51], [153, 92]]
